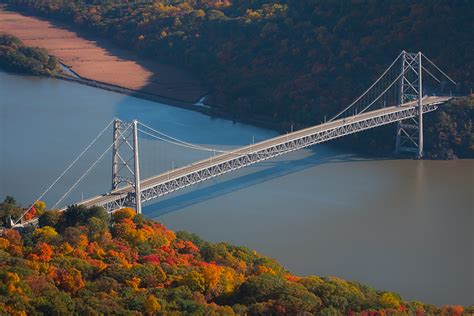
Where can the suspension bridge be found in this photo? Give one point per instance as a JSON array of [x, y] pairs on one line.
[[397, 96]]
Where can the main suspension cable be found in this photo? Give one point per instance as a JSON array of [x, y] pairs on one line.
[[181, 144], [65, 171], [87, 171], [177, 141], [442, 72], [363, 110], [369, 89]]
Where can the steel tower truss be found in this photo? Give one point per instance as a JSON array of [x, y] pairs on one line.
[[410, 131], [125, 161]]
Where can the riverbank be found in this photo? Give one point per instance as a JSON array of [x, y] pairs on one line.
[[101, 63]]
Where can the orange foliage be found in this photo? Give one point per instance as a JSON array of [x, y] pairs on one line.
[[292, 278], [124, 213], [94, 250], [66, 248], [44, 252], [134, 283], [265, 269], [4, 243], [120, 257], [82, 242], [69, 280], [452, 310]]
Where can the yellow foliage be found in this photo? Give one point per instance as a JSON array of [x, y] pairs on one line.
[[46, 233], [152, 306], [194, 280], [212, 274], [12, 279], [40, 207], [140, 236], [390, 300], [230, 280]]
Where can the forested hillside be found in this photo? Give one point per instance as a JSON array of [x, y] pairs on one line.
[[287, 61], [82, 262]]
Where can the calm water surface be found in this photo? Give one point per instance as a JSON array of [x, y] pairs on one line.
[[400, 225]]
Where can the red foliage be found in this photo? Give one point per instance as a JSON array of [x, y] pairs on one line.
[[31, 214], [152, 259]]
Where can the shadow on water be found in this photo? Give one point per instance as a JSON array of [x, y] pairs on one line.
[[272, 170]]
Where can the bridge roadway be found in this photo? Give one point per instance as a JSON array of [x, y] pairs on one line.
[[173, 180]]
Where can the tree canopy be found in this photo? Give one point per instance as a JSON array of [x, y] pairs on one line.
[[16, 57], [84, 262]]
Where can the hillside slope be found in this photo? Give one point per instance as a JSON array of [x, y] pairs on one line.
[[84, 263]]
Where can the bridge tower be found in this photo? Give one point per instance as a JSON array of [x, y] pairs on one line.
[[125, 160], [410, 131]]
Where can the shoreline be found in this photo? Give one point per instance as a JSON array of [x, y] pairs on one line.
[[99, 63], [206, 110]]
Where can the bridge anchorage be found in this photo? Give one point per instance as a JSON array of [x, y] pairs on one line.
[[397, 96]]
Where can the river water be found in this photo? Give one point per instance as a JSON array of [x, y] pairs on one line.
[[399, 225]]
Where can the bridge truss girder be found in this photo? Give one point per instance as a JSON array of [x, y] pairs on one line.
[[351, 126]]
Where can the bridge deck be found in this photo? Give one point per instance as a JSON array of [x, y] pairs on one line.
[[207, 164]]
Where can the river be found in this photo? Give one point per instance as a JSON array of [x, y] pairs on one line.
[[398, 225]]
